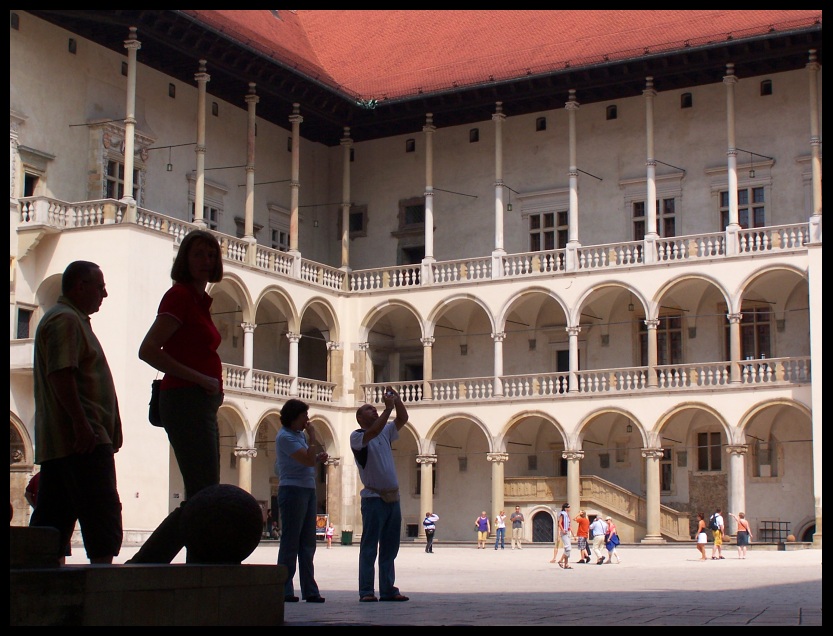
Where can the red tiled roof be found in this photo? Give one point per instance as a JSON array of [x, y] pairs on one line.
[[399, 53]]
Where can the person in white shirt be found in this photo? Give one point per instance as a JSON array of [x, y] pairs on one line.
[[429, 523], [599, 529], [500, 530]]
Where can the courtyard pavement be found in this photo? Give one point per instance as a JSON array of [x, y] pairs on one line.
[[654, 585]]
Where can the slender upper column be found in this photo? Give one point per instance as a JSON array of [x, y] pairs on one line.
[[731, 80], [294, 184], [498, 337], [429, 130], [294, 339], [651, 196], [652, 325], [813, 68], [572, 107], [248, 351], [248, 229], [427, 369], [572, 335], [199, 187], [498, 117], [132, 45], [346, 147], [734, 346]]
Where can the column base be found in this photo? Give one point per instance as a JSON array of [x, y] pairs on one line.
[[653, 539]]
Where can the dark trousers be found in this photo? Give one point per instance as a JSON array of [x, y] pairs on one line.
[[189, 416], [429, 535]]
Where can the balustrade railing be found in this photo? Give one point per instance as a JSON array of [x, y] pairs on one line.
[[59, 214]]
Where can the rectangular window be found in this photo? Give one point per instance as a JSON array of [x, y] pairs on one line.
[[543, 231], [755, 333], [708, 452], [114, 181], [279, 240], [666, 470], [24, 321], [751, 208], [669, 340], [210, 215], [666, 218]]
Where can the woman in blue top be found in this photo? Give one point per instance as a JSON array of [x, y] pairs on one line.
[[295, 466]]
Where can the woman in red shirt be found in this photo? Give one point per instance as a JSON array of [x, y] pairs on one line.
[[182, 343]]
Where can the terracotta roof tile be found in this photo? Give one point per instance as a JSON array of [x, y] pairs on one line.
[[391, 54]]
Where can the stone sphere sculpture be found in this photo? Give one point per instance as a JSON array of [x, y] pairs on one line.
[[221, 524]]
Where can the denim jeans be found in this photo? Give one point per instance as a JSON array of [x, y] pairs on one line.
[[500, 536], [381, 532], [298, 513]]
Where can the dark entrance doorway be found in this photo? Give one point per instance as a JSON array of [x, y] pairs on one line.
[[542, 528]]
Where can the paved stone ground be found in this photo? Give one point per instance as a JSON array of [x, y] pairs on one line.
[[460, 585]]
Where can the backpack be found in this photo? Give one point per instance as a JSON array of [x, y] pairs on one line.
[[713, 523]]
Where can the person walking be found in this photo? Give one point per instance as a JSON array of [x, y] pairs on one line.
[[482, 527], [429, 523], [744, 534], [564, 534], [182, 343], [583, 537], [500, 530], [296, 457], [611, 541], [78, 426], [700, 535], [599, 529], [381, 512], [328, 534], [517, 520], [718, 527]]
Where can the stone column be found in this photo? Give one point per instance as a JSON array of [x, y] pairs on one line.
[[346, 146], [244, 467], [652, 496], [498, 488], [573, 243], [248, 351], [734, 347], [572, 334], [651, 178], [498, 117], [294, 183], [199, 186], [574, 493], [428, 261], [730, 80], [333, 494], [132, 45], [294, 339], [498, 337], [426, 488], [652, 326], [737, 483], [334, 368], [248, 225], [427, 370]]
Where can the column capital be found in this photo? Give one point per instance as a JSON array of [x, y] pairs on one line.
[[734, 318], [497, 457], [573, 331], [737, 449], [730, 77], [248, 327], [132, 42], [572, 455], [653, 323], [251, 453], [426, 459], [294, 338], [364, 346], [295, 117], [428, 341], [652, 453], [333, 461], [498, 336], [649, 91], [251, 97], [333, 346]]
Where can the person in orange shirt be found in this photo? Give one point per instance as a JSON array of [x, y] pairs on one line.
[[582, 537]]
